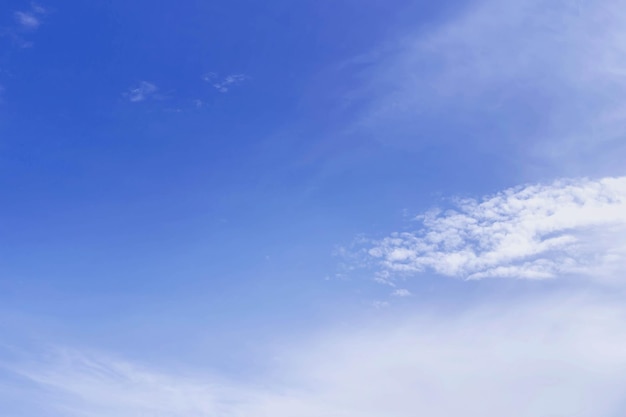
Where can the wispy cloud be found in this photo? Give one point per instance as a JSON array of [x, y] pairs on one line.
[[224, 84], [546, 75], [102, 386], [38, 9], [27, 20], [141, 92], [534, 231], [561, 356]]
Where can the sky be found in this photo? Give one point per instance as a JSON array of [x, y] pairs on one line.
[[313, 208]]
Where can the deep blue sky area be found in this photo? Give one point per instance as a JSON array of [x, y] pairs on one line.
[[100, 185]]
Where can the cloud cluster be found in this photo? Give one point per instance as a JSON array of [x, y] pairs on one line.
[[223, 85], [141, 92], [534, 231], [556, 356]]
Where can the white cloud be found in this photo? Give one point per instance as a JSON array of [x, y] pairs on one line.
[[143, 91], [558, 356], [30, 20], [534, 231], [377, 304], [102, 386], [38, 9], [223, 85], [543, 77], [27, 20], [402, 292]]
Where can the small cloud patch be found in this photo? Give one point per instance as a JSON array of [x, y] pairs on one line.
[[141, 92], [224, 84], [401, 293], [27, 20]]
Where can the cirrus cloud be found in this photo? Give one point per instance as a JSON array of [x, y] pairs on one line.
[[545, 77]]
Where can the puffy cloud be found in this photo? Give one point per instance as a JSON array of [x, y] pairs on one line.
[[534, 231]]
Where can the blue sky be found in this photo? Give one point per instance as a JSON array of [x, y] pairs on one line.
[[292, 208]]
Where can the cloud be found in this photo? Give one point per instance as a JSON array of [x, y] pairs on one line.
[[543, 77], [223, 85], [38, 9], [401, 293], [27, 20], [30, 20], [101, 386], [533, 231], [143, 91], [556, 356]]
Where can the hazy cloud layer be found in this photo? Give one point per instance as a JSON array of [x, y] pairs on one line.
[[543, 77], [558, 356]]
